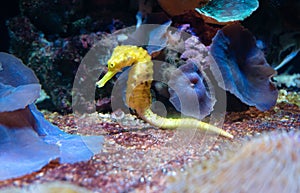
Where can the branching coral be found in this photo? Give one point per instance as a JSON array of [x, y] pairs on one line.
[[288, 80], [266, 164], [27, 140], [244, 69]]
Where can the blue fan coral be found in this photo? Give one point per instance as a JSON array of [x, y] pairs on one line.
[[244, 68], [27, 140]]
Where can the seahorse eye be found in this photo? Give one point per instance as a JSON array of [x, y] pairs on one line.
[[111, 65]]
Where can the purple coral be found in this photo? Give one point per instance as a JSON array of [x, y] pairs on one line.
[[244, 68], [188, 92], [188, 86], [196, 53]]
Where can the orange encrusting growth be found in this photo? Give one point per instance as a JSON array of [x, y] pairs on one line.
[[138, 96]]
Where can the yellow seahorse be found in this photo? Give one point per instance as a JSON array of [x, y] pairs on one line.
[[138, 95]]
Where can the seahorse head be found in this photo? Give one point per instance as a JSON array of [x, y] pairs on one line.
[[122, 57]]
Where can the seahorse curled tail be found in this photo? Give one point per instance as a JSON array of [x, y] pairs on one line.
[[138, 96]]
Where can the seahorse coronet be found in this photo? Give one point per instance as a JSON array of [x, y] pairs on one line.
[[138, 96]]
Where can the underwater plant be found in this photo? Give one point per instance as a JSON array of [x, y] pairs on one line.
[[27, 140], [138, 95], [266, 164], [244, 68]]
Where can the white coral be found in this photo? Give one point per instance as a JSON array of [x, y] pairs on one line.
[[267, 164], [288, 80]]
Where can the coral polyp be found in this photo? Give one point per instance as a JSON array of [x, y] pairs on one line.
[[266, 164]]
